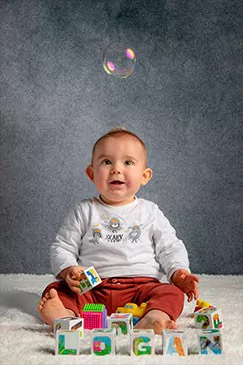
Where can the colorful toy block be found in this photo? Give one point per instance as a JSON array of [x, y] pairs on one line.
[[136, 311], [200, 304], [68, 342], [103, 342], [210, 342], [142, 342], [69, 323], [94, 315], [88, 279], [122, 322], [207, 318], [174, 342]]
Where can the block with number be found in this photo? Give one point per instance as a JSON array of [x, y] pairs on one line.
[[207, 318], [89, 278], [174, 342]]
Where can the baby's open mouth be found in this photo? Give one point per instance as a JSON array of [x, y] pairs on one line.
[[116, 182]]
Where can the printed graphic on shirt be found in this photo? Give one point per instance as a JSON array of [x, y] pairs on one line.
[[134, 234], [112, 231], [114, 225], [97, 235]]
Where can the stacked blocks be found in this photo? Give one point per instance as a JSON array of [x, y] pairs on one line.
[[69, 323], [208, 318], [122, 322], [68, 342], [142, 342], [88, 279], [210, 342], [103, 342], [174, 342], [95, 316]]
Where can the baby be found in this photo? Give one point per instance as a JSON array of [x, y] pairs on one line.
[[127, 239]]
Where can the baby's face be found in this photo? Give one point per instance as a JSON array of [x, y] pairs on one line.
[[119, 169]]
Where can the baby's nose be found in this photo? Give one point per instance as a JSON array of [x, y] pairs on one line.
[[115, 170]]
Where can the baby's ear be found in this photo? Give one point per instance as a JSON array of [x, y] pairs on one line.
[[90, 172], [147, 175]]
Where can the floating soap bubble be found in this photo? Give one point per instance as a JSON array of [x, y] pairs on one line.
[[119, 60]]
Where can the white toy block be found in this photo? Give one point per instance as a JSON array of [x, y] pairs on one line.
[[210, 342], [142, 342], [207, 318], [89, 278], [69, 323], [103, 341], [122, 322], [68, 342], [174, 342]]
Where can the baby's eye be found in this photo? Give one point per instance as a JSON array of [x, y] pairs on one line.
[[106, 162], [128, 163]]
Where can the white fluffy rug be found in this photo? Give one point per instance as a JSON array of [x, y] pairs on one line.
[[25, 340]]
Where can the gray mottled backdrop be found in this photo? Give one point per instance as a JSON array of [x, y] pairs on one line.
[[184, 99]]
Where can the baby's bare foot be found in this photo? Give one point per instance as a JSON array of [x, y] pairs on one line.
[[156, 320], [51, 308]]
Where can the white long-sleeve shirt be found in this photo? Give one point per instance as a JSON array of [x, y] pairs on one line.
[[128, 240]]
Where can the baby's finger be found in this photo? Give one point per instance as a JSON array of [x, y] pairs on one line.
[[189, 297], [195, 278]]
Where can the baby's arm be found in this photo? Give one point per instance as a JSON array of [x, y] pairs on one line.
[[72, 275], [187, 282]]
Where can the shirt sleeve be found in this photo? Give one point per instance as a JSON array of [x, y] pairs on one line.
[[65, 249], [170, 250]]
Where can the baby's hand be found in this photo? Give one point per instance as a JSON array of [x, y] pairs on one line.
[[187, 282], [72, 276]]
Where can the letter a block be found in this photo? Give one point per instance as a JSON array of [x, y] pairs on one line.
[[103, 342], [122, 322], [89, 278], [174, 343], [210, 342]]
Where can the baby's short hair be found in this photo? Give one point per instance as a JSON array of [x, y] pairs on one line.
[[120, 131]]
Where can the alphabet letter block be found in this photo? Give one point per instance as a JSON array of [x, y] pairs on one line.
[[68, 342], [103, 342], [142, 342], [210, 342], [174, 343], [122, 322]]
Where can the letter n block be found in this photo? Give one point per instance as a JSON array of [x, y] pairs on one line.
[[210, 342], [142, 342], [174, 343], [122, 322]]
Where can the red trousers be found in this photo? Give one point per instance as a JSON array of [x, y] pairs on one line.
[[116, 292]]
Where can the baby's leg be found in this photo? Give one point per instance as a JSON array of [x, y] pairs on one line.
[[156, 320], [51, 308]]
